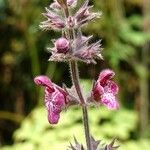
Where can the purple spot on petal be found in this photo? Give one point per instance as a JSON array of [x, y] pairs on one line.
[[109, 100]]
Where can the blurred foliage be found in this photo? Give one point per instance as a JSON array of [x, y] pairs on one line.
[[125, 32], [38, 134]]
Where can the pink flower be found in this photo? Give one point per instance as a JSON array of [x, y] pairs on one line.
[[55, 98], [105, 90]]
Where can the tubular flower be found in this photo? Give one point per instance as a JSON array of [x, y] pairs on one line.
[[105, 90], [55, 98]]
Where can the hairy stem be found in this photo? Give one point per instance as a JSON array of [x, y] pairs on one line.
[[75, 80], [86, 127]]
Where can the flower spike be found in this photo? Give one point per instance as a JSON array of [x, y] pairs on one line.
[[72, 47]]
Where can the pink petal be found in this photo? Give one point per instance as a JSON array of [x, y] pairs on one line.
[[48, 95], [105, 75], [111, 87], [53, 112], [109, 100], [54, 103], [44, 81], [58, 99], [53, 118], [114, 88], [97, 91]]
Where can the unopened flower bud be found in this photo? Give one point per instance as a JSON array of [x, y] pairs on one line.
[[62, 45]]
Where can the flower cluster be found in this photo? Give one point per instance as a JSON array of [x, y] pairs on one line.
[[56, 21], [69, 48], [77, 49]]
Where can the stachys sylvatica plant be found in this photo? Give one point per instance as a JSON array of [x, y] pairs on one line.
[[73, 47]]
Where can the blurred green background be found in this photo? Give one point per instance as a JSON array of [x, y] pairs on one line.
[[125, 32]]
